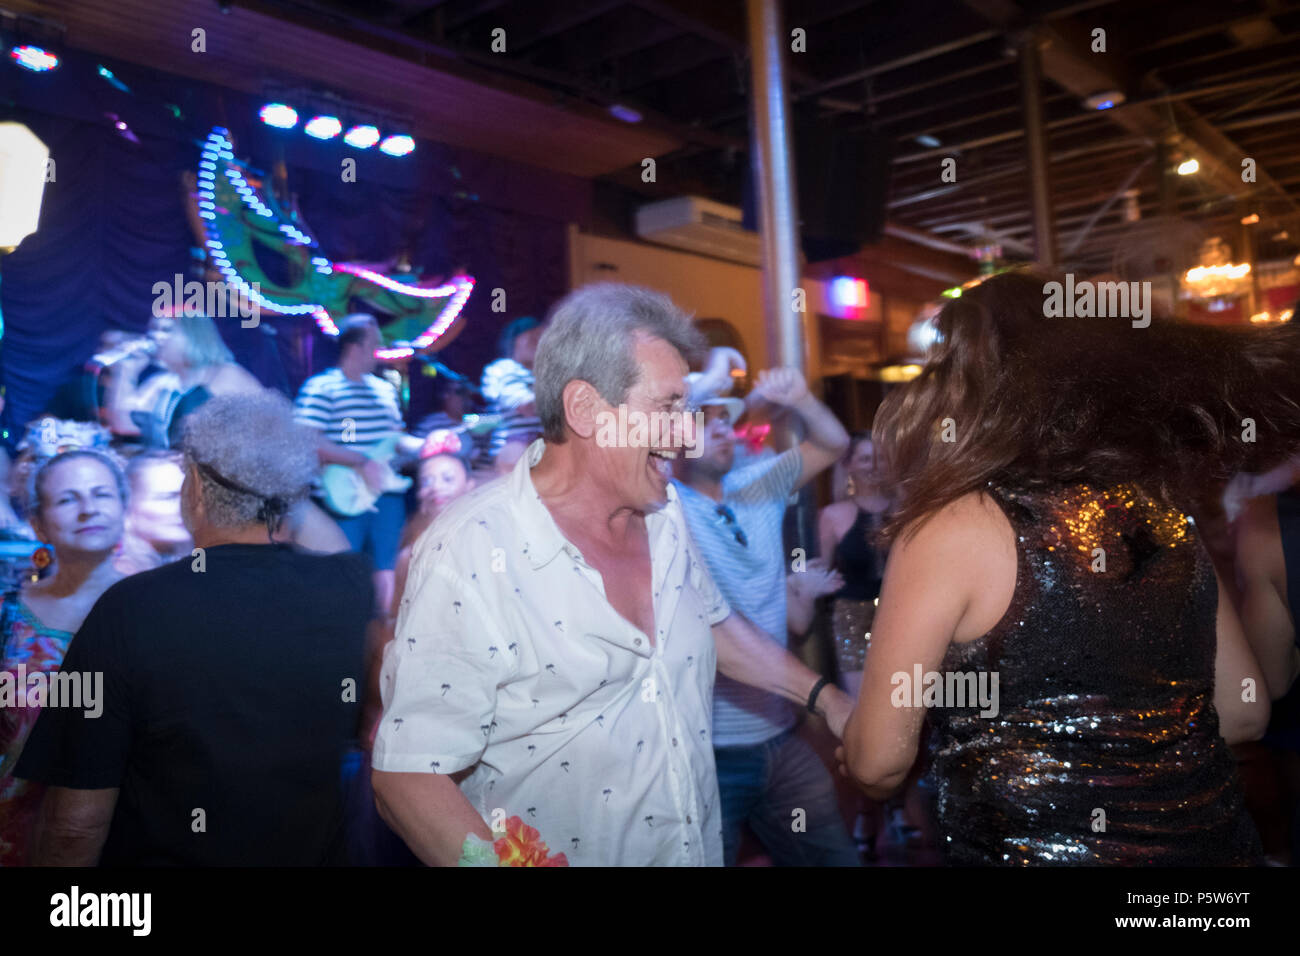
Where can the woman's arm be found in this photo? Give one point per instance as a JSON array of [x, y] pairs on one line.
[[828, 533], [1261, 588], [1241, 694], [122, 396], [932, 593]]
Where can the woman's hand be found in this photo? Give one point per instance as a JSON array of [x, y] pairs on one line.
[[816, 580]]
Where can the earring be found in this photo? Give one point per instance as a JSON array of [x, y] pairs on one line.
[[849, 488], [42, 557]]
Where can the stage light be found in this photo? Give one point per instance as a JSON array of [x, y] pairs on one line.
[[1187, 167], [625, 113], [120, 125], [323, 127], [361, 137], [113, 81], [279, 116], [928, 141], [34, 58], [1250, 220], [23, 169], [398, 145]]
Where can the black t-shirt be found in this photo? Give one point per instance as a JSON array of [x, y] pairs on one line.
[[226, 708]]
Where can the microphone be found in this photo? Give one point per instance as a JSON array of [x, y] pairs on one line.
[[442, 370], [137, 346]]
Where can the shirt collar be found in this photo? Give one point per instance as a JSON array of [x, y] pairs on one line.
[[535, 529]]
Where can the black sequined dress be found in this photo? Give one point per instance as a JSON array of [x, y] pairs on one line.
[[1105, 748]]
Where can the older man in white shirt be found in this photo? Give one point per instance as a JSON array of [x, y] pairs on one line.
[[558, 639]]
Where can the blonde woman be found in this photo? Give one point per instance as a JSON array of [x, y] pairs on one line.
[[201, 367]]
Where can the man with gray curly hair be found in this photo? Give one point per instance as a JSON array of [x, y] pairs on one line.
[[548, 697], [240, 489], [232, 677]]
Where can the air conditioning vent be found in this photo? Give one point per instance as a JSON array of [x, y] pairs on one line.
[[701, 226]]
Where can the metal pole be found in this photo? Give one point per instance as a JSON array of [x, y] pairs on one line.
[[774, 175], [1031, 102], [775, 178]]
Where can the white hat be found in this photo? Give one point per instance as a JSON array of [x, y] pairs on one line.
[[713, 385], [734, 406]]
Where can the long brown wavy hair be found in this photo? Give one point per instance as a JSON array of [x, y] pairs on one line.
[[1012, 396]]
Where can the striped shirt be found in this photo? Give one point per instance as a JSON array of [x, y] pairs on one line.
[[752, 579], [507, 384], [349, 413]]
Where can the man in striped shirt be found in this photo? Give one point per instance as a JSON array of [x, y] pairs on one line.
[[354, 410], [768, 776]]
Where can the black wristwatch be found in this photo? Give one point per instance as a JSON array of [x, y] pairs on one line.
[[817, 689]]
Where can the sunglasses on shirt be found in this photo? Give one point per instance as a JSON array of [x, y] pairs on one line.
[[729, 519]]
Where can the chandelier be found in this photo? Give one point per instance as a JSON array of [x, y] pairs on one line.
[[1217, 277]]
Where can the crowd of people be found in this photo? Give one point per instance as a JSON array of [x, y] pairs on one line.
[[304, 633]]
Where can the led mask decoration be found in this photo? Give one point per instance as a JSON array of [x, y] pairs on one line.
[[240, 216]]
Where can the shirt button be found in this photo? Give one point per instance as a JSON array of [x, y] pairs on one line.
[[688, 818], [637, 641], [674, 741]]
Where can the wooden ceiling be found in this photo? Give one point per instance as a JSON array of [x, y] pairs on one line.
[[1219, 81], [448, 101]]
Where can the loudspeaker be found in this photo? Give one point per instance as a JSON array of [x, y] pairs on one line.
[[843, 182]]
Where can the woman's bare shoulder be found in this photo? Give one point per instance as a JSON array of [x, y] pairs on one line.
[[838, 515], [233, 379], [972, 542]]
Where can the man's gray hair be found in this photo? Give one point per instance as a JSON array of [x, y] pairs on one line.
[[251, 440], [591, 336]]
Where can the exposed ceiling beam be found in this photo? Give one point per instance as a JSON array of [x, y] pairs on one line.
[[542, 24], [621, 41], [1194, 21], [473, 12], [1069, 62]]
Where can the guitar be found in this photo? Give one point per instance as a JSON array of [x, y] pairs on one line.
[[345, 492]]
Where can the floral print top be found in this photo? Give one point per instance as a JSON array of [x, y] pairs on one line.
[[37, 648]]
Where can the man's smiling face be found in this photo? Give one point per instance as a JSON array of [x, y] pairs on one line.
[[640, 472]]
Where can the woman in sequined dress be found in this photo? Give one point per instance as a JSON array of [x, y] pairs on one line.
[[1047, 601]]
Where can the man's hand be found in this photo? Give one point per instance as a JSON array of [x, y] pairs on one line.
[[374, 474], [826, 438], [835, 706], [781, 386]]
